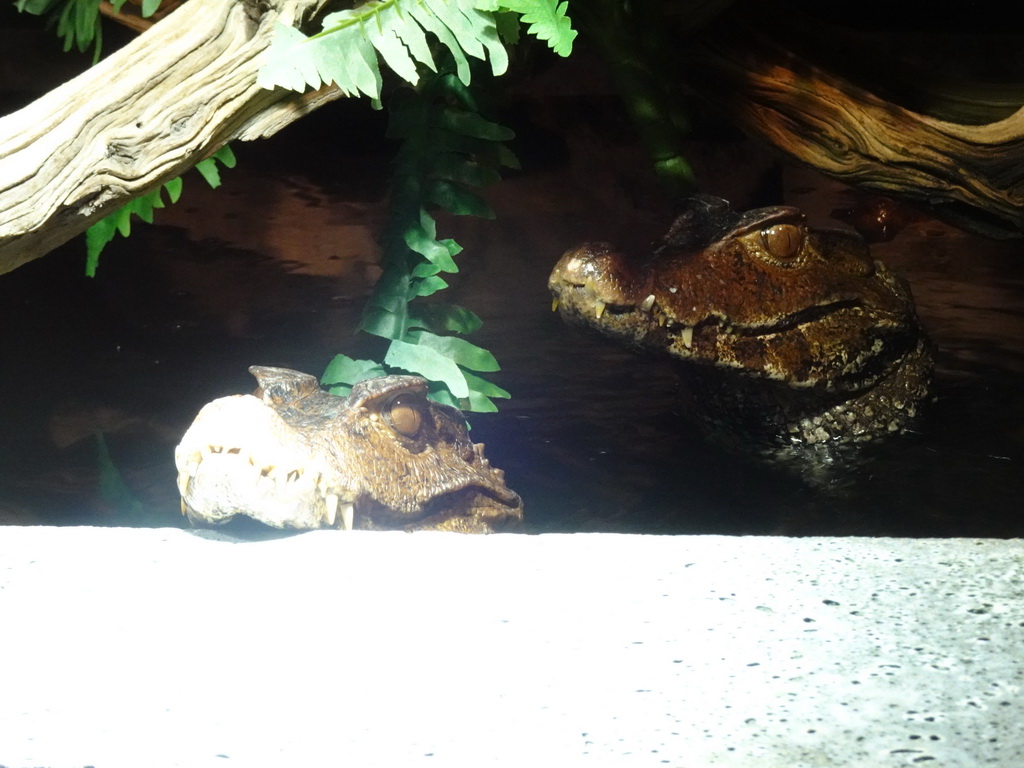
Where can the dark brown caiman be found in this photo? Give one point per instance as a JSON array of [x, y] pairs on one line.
[[383, 457], [787, 337]]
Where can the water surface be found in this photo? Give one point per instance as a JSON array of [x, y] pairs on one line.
[[273, 268]]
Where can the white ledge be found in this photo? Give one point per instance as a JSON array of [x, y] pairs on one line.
[[130, 647]]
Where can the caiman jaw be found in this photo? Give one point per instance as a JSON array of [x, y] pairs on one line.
[[599, 307], [266, 479], [579, 301], [259, 478]]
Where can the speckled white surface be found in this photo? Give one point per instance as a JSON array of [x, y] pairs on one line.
[[156, 647]]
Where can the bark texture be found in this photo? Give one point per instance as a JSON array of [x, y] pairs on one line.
[[972, 175], [141, 117]]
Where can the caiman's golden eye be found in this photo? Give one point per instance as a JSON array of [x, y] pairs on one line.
[[403, 416], [782, 241]]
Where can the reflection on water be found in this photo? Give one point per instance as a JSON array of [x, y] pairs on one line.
[[273, 269]]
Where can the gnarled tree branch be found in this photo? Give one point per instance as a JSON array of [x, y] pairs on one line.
[[141, 117], [971, 175]]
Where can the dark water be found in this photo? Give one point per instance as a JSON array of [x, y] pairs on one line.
[[273, 268]]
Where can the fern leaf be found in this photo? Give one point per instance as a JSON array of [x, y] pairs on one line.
[[480, 393], [412, 37], [342, 372], [456, 167], [439, 317], [431, 23], [547, 21], [461, 24], [396, 53], [426, 286], [103, 231], [487, 28], [291, 65], [428, 363], [296, 62], [472, 124], [423, 242], [207, 169], [345, 51], [380, 26], [458, 200], [465, 353]]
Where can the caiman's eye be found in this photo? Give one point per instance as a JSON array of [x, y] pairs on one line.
[[403, 415], [782, 241]]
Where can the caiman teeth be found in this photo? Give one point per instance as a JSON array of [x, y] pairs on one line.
[[183, 481], [599, 309], [554, 304], [331, 507], [646, 304], [687, 336]]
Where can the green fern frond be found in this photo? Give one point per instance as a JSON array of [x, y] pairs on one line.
[[102, 232], [547, 21], [78, 21], [345, 51], [447, 149]]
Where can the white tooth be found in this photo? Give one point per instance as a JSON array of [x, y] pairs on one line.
[[646, 304], [687, 336], [183, 480], [554, 304], [331, 505], [599, 309], [347, 514]]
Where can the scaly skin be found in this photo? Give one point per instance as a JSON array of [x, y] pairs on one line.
[[785, 335], [384, 457]]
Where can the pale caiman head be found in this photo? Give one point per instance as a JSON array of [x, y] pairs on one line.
[[383, 457], [759, 295]]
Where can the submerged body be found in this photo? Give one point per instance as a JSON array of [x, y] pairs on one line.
[[384, 457], [787, 337]]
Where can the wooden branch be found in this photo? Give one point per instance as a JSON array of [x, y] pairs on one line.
[[131, 16], [141, 117], [970, 174]]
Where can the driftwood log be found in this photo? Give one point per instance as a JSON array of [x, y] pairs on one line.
[[971, 175], [142, 116], [187, 86]]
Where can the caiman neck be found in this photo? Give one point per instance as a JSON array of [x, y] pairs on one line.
[[772, 417]]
